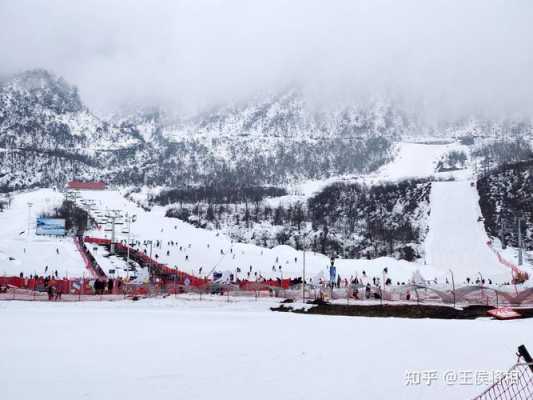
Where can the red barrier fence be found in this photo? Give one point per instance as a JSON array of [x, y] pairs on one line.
[[264, 285], [41, 284], [89, 264], [519, 275], [90, 239], [15, 288]]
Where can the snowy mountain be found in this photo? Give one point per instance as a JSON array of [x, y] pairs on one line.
[[40, 110], [46, 128], [273, 139], [496, 128], [47, 136], [290, 115]]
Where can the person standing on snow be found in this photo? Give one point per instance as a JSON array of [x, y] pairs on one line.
[[50, 292], [332, 272]]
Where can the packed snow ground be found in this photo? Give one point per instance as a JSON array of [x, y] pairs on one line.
[[211, 349], [30, 253]]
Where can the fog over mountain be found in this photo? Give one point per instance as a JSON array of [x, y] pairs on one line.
[[441, 59]]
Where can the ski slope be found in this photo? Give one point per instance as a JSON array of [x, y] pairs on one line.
[[212, 251], [411, 160], [456, 240], [29, 253]]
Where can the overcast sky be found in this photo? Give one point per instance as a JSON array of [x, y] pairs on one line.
[[445, 58]]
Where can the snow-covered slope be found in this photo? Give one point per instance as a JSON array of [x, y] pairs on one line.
[[409, 160], [213, 251], [456, 239], [412, 160], [30, 253]]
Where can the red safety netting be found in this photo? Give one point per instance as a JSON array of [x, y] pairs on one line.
[[519, 275], [264, 285], [40, 284]]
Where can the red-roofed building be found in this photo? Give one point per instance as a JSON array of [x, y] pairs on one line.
[[79, 185]]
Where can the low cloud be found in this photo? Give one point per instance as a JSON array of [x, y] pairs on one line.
[[444, 59]]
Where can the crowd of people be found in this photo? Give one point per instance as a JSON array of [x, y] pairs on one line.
[[107, 286], [55, 286], [360, 286], [156, 247]]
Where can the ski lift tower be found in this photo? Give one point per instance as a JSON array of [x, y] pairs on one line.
[[113, 216], [130, 219], [30, 204]]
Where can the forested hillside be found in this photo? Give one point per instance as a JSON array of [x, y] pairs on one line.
[[506, 194], [351, 220]]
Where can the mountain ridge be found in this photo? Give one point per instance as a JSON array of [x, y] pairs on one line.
[[48, 136]]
